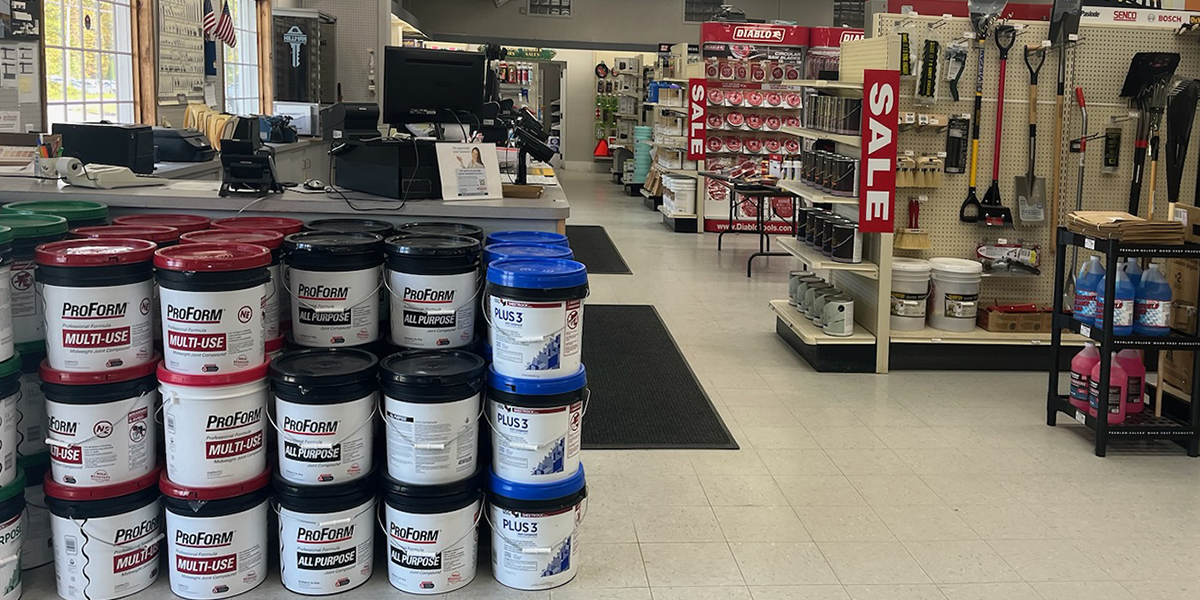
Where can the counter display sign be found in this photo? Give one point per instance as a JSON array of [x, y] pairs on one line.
[[697, 113], [879, 127]]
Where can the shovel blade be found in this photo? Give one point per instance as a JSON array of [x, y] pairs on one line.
[[1031, 199]]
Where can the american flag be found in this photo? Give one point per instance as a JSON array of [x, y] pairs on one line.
[[222, 27]]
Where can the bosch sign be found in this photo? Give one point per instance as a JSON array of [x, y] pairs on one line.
[[760, 33]]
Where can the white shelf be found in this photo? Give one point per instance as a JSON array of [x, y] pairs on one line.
[[813, 336], [672, 80], [814, 195], [674, 110], [979, 336], [683, 172], [816, 260], [645, 192], [824, 84], [812, 134], [662, 208]]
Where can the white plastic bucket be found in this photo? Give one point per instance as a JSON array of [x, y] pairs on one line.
[[537, 426], [7, 337], [36, 546], [101, 428], [910, 293], [334, 281], [275, 348], [10, 395], [216, 537], [536, 316], [12, 536], [271, 240], [28, 232], [535, 531], [432, 401], [954, 293], [214, 426], [433, 282], [326, 536], [106, 540], [31, 403], [432, 535]]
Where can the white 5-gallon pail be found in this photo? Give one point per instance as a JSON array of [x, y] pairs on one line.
[[536, 316], [12, 535], [432, 400], [326, 535], [535, 531], [101, 427], [106, 539], [10, 394], [216, 537], [271, 240], [325, 403], [954, 293], [214, 426], [334, 281], [434, 284], [31, 404], [7, 339], [36, 547], [538, 426], [28, 231], [432, 534], [910, 293]]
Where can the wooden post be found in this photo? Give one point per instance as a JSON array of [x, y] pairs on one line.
[[266, 81], [145, 81]]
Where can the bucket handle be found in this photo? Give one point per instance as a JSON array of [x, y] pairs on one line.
[[539, 550], [12, 558], [430, 553], [277, 507], [428, 446], [81, 524], [306, 303], [61, 444], [470, 301], [587, 396], [329, 444]]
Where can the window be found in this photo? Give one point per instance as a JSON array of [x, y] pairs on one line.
[[701, 11], [89, 61], [241, 61]]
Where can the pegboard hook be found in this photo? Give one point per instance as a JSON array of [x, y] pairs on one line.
[[1129, 116], [938, 24]]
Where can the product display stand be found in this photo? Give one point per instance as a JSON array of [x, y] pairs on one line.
[[1179, 420], [671, 169]]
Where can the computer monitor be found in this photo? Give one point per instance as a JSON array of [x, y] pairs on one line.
[[431, 86]]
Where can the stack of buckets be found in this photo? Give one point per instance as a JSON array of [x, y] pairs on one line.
[[642, 154]]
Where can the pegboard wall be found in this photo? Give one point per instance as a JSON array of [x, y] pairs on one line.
[[1098, 63]]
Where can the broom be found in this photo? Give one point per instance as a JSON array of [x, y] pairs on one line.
[[913, 237]]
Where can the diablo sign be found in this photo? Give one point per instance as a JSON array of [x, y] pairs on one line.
[[754, 34], [877, 180], [759, 33]]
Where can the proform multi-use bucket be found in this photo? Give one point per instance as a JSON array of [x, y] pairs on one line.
[[326, 536], [101, 425], [538, 426], [325, 401], [10, 394], [432, 534], [106, 539], [334, 280], [270, 240], [78, 213], [181, 223], [434, 283], [97, 296], [434, 228], [212, 306], [526, 237], [380, 228], [910, 293], [37, 549], [535, 530], [536, 316], [159, 234], [431, 406], [214, 426], [31, 403], [281, 225], [216, 537], [12, 534], [954, 293], [509, 250], [28, 231]]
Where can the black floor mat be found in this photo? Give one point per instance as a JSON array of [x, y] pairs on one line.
[[644, 394], [594, 248]]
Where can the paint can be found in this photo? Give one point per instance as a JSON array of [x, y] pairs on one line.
[[910, 293], [818, 307], [838, 316], [537, 426], [326, 535], [101, 427], [815, 230], [433, 228], [12, 534], [434, 284], [536, 316], [382, 229], [270, 240], [97, 296], [526, 237], [827, 236], [106, 539], [216, 537], [954, 293], [212, 298], [847, 244], [810, 298], [181, 223], [31, 404], [334, 280], [28, 232], [281, 225], [325, 401], [10, 394], [794, 279], [161, 235], [802, 290], [432, 534], [78, 213], [535, 531], [214, 426], [37, 549]]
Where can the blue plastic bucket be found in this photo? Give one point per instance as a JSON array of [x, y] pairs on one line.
[[526, 237], [538, 426], [535, 530], [507, 250]]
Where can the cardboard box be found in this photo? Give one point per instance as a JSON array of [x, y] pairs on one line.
[[992, 319], [1190, 217], [1183, 275], [1176, 368]]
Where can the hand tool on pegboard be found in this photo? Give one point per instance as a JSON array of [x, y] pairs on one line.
[[1069, 289], [993, 212], [1031, 189], [983, 15], [1064, 25], [1147, 84]]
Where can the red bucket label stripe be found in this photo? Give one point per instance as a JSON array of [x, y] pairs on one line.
[[99, 338], [215, 565], [234, 447], [129, 561], [196, 342]]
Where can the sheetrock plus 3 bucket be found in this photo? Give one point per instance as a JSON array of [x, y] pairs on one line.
[[435, 228], [78, 213], [98, 303], [509, 250], [106, 539], [526, 237], [325, 401], [101, 427], [28, 231], [270, 240], [432, 534], [36, 546], [181, 223], [431, 406], [954, 293], [434, 286], [538, 426], [215, 426], [535, 531], [31, 403], [216, 537], [212, 298], [334, 281], [10, 393], [326, 536], [536, 316], [910, 293], [12, 535]]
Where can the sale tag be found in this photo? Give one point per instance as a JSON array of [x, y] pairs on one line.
[[877, 174]]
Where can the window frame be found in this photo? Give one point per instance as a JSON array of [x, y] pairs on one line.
[[245, 13], [73, 50]]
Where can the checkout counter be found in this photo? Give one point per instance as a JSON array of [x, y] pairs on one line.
[[307, 158]]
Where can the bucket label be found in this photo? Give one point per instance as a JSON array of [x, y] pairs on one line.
[[215, 435], [36, 548], [216, 557], [533, 551], [8, 435], [1114, 397], [7, 337], [907, 304], [11, 537], [104, 558], [536, 445], [433, 311], [325, 443], [28, 325], [270, 304], [335, 308], [432, 553], [960, 306], [1133, 394], [324, 553], [213, 332], [102, 444], [31, 414], [430, 444], [99, 329], [536, 339]]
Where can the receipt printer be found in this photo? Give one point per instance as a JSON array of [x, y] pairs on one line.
[[182, 145]]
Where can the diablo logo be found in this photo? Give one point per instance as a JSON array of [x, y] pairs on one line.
[[850, 36], [1125, 15], [746, 33]]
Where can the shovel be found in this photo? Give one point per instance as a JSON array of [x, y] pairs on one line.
[[1064, 23], [1147, 84], [1031, 190], [983, 15], [994, 213]]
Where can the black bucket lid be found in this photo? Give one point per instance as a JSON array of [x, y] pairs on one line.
[[433, 246], [461, 229], [324, 367], [323, 498], [433, 368], [382, 228], [429, 499], [333, 243]]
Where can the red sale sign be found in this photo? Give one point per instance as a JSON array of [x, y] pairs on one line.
[[697, 109], [877, 175]]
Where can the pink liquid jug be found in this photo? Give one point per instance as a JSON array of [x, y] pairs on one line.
[[1131, 361], [1081, 374], [1118, 385]]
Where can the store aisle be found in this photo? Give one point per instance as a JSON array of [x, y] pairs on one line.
[[921, 485]]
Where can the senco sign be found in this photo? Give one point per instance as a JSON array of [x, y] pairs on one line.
[[877, 180], [759, 33], [697, 115]]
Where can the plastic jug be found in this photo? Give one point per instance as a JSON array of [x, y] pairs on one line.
[[1131, 361], [1081, 374], [1123, 304], [1153, 304], [1118, 382], [1133, 270], [1085, 290]]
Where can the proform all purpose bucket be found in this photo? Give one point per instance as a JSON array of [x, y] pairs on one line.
[[432, 534], [97, 297], [334, 280], [326, 536], [431, 406], [434, 286], [28, 232], [536, 316], [12, 534], [216, 537], [212, 306], [538, 426], [270, 240], [106, 539], [325, 403], [535, 530]]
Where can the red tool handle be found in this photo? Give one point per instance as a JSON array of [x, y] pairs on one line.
[[999, 121], [1079, 97], [1082, 106]]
